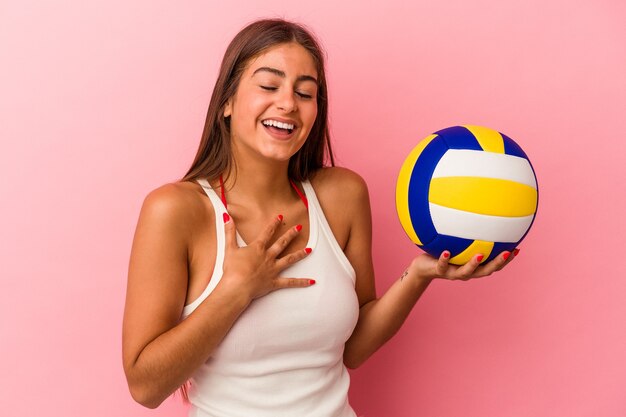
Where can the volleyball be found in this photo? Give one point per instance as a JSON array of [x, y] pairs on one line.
[[469, 190]]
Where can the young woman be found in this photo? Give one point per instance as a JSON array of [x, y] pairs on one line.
[[252, 277]]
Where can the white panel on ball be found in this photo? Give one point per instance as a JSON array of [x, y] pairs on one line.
[[468, 225]]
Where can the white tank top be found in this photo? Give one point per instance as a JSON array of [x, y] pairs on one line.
[[284, 354]]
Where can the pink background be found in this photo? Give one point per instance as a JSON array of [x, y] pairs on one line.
[[103, 101]]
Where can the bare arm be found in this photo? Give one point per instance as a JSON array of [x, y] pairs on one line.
[[380, 318], [159, 352]]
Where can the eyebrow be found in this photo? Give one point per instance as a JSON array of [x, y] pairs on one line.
[[283, 75]]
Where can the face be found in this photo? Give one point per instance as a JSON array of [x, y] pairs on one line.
[[275, 105]]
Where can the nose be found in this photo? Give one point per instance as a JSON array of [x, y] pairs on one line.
[[285, 100]]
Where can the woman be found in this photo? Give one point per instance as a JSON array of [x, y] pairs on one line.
[[263, 318]]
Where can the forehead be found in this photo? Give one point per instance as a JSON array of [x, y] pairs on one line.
[[291, 58]]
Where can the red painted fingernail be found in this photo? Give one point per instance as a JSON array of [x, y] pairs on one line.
[[506, 255], [308, 250], [311, 281], [226, 217], [298, 228], [515, 252], [280, 217], [479, 258], [446, 255]]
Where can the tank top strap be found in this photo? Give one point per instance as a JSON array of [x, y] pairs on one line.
[[302, 196], [218, 205], [316, 215], [219, 209]]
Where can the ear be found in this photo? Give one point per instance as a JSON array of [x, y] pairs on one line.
[[228, 108]]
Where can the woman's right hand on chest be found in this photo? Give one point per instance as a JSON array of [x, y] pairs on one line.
[[255, 268]]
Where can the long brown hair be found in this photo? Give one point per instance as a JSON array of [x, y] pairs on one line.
[[214, 156]]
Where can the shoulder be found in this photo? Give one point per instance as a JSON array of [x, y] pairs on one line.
[[344, 199], [177, 206], [172, 200], [338, 183]]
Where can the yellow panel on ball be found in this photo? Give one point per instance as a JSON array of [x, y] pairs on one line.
[[402, 189], [490, 140], [479, 246], [491, 196]]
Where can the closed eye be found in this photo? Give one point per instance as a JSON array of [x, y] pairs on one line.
[[299, 93]]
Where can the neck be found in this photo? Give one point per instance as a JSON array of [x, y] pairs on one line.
[[259, 184]]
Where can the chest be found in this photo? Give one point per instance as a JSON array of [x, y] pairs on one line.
[[250, 223], [298, 321]]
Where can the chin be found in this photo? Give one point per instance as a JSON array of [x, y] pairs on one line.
[[282, 155], [279, 157]]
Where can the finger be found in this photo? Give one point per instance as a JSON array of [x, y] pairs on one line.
[[496, 264], [443, 263], [230, 231], [466, 271], [507, 257], [292, 282], [281, 243], [292, 258], [265, 236]]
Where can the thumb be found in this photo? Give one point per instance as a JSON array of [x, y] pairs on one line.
[[229, 231], [442, 263]]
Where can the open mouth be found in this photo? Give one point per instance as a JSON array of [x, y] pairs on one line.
[[277, 127]]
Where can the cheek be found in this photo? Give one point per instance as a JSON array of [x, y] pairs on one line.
[[310, 115], [255, 106], [308, 111], [248, 108]]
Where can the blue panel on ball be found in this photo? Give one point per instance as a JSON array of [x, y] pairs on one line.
[[459, 137], [453, 244], [499, 247], [512, 148], [419, 187]]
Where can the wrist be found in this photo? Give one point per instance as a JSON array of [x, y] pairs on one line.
[[422, 281], [235, 293], [418, 281]]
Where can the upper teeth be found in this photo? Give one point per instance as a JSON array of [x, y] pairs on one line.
[[278, 124]]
